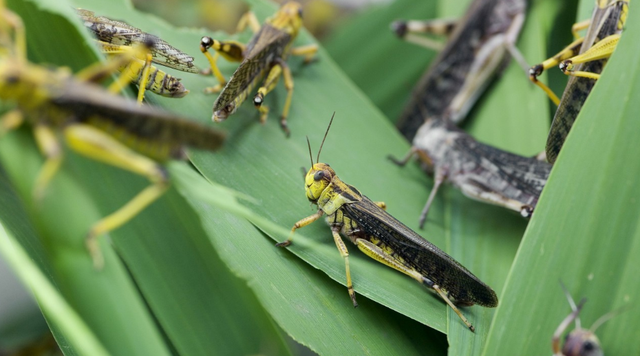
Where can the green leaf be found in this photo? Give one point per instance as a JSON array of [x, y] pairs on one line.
[[175, 288], [585, 230]]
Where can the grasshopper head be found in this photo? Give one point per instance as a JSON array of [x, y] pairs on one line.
[[317, 180], [222, 114], [582, 342], [288, 18]]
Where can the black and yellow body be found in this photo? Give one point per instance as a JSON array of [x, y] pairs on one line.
[[478, 46], [138, 72], [115, 37], [93, 122], [264, 55], [583, 60], [385, 239]]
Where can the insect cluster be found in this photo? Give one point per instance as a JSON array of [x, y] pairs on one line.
[[133, 135]]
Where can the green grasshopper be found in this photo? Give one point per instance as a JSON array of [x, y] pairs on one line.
[[93, 122], [583, 59], [579, 342], [480, 171], [475, 51], [116, 37], [385, 239], [265, 54]]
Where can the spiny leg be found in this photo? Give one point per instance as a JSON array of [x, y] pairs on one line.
[[10, 121], [20, 38], [122, 56], [535, 71], [50, 147], [412, 152], [269, 84], [345, 255], [308, 51], [301, 223], [248, 19], [144, 79], [600, 50], [97, 145], [409, 29], [232, 51], [137, 69], [439, 177], [379, 255], [288, 85], [579, 26]]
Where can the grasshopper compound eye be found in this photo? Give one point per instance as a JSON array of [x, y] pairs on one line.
[[318, 175]]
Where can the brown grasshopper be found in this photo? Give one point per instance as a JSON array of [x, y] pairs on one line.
[[583, 59], [476, 49], [480, 171], [265, 54]]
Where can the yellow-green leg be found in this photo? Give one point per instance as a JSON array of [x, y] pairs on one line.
[[248, 19], [535, 71], [379, 255], [409, 30], [335, 231], [301, 223], [308, 51], [600, 50], [232, 51], [10, 120], [144, 77], [97, 145], [50, 147], [269, 84]]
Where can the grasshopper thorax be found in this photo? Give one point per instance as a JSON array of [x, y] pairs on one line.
[[288, 18], [317, 179]]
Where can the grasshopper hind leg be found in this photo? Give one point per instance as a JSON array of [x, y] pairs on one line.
[[381, 256], [95, 144]]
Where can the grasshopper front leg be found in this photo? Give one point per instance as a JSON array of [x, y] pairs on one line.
[[535, 71], [408, 30], [232, 51]]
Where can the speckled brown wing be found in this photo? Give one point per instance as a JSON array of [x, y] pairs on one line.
[[420, 254], [121, 33], [269, 43]]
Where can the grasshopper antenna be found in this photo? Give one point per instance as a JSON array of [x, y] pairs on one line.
[[310, 154], [571, 303], [325, 137]]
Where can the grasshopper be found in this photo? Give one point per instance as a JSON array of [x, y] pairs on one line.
[[116, 37], [480, 171], [579, 342], [583, 60], [265, 54], [385, 239], [476, 50], [94, 122]]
